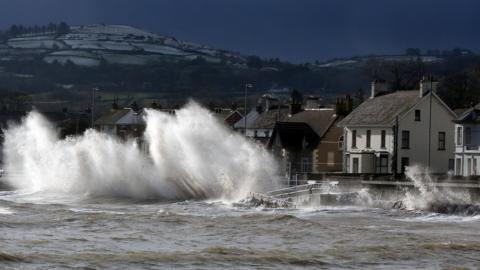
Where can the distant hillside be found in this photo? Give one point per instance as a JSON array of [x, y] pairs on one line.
[[58, 64], [89, 45], [362, 61]]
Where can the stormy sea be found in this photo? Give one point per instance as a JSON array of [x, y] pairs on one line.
[[95, 202]]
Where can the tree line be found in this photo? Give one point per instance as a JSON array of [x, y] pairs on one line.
[[17, 30]]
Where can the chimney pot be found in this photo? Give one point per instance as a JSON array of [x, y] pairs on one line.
[[378, 86], [428, 83]]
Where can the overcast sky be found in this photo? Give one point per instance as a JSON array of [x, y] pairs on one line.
[[295, 30]]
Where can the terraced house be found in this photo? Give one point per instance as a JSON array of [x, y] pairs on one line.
[[467, 142], [392, 130], [310, 141]]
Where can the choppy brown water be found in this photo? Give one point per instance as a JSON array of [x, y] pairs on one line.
[[106, 234]]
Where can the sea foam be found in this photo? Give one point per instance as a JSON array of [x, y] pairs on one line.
[[191, 155]]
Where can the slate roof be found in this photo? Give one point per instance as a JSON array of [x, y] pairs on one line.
[[111, 117], [381, 110], [268, 119], [470, 116], [306, 127], [294, 136], [319, 120], [251, 118], [233, 118]]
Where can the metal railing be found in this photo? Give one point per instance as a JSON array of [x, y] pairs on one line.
[[296, 191]]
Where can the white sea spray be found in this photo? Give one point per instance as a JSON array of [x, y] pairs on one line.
[[191, 155]]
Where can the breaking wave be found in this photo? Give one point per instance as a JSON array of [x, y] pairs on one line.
[[429, 198], [191, 156]]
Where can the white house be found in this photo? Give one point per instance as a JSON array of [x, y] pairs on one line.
[[467, 142], [249, 119], [392, 130], [124, 122], [260, 125]]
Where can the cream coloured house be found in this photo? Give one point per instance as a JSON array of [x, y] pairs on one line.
[[467, 143], [392, 130]]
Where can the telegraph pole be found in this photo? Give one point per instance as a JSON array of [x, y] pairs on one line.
[[247, 85], [94, 89]]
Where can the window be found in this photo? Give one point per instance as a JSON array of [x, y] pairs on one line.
[[381, 164], [405, 163], [354, 139], [468, 136], [417, 115], [355, 165], [405, 139], [459, 136], [384, 135], [469, 167], [441, 140], [369, 134], [340, 143]]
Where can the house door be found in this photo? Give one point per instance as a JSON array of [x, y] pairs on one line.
[[469, 167], [355, 165], [474, 168], [405, 163], [381, 164], [458, 166], [451, 164]]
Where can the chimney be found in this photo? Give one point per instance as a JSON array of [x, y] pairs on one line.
[[378, 86], [344, 105], [295, 108], [269, 101], [426, 84], [313, 103], [296, 102], [115, 104]]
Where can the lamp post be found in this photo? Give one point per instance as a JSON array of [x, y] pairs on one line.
[[430, 124], [247, 85], [94, 89]]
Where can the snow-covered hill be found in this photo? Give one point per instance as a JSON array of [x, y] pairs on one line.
[[361, 61], [89, 45]]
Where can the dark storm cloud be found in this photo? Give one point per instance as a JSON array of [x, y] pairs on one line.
[[298, 30]]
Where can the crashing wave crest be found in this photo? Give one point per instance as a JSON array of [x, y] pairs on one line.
[[191, 156]]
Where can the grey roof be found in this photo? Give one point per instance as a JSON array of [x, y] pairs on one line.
[[111, 117], [251, 118], [381, 110], [319, 120], [470, 116], [268, 119], [233, 118]]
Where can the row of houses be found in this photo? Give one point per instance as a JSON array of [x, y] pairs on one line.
[[392, 130], [386, 133]]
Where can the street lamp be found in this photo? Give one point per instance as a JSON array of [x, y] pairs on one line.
[[247, 85], [94, 89]]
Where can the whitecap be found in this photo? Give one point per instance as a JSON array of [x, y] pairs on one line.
[[6, 211]]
